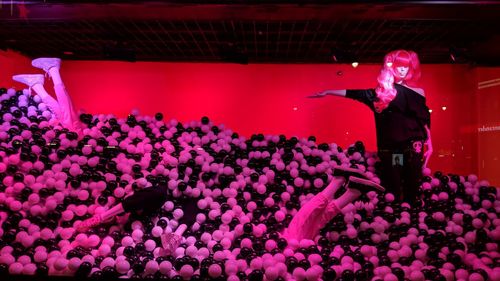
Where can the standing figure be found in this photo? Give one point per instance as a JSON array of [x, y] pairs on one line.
[[402, 121], [62, 107]]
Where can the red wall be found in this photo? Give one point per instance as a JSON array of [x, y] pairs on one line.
[[270, 99]]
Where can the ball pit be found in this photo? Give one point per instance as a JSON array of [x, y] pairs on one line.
[[247, 191]]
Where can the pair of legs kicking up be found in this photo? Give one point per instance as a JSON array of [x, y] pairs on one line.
[[62, 108], [316, 213]]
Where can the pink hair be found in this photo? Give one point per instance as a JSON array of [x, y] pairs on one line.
[[385, 91]]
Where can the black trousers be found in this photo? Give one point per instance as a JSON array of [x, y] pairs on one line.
[[400, 169], [149, 200]]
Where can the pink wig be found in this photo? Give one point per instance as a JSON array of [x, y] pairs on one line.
[[385, 91]]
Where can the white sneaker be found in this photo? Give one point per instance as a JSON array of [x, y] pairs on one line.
[[29, 79], [170, 242], [46, 63]]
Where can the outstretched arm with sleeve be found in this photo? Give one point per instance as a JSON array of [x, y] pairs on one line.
[[322, 94]]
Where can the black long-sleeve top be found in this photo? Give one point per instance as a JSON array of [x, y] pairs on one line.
[[403, 120]]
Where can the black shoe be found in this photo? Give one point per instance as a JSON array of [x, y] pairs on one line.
[[364, 185], [348, 172]]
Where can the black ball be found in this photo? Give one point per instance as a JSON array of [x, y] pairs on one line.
[[256, 275], [41, 270], [84, 269], [159, 116], [348, 275], [329, 274], [248, 227]]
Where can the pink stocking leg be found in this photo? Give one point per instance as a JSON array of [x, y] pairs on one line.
[[114, 211], [333, 186], [69, 117], [47, 99], [349, 196]]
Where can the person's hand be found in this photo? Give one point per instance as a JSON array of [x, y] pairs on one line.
[[317, 95]]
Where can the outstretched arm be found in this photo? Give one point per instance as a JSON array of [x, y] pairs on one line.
[[339, 93], [428, 152]]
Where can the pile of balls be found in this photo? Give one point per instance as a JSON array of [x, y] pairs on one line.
[[247, 191]]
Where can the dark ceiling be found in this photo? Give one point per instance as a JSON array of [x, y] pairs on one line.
[[253, 31]]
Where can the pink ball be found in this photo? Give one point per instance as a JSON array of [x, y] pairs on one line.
[[61, 264], [390, 277], [417, 276], [15, 206], [187, 271], [351, 232], [214, 270], [245, 242], [318, 183], [299, 273], [280, 216], [477, 223], [439, 216], [16, 268], [122, 267], [165, 267], [151, 267], [74, 263], [251, 206], [29, 269], [443, 196], [226, 218], [231, 267], [261, 189], [24, 260], [119, 192], [226, 243], [33, 198], [366, 251], [271, 273], [256, 263], [107, 262], [476, 277], [270, 245], [495, 274], [67, 215], [314, 273], [299, 182], [157, 231], [405, 251], [40, 256], [420, 254], [83, 195], [219, 255], [314, 259], [3, 167], [389, 197], [104, 250], [137, 235], [127, 241], [93, 240], [393, 255]]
